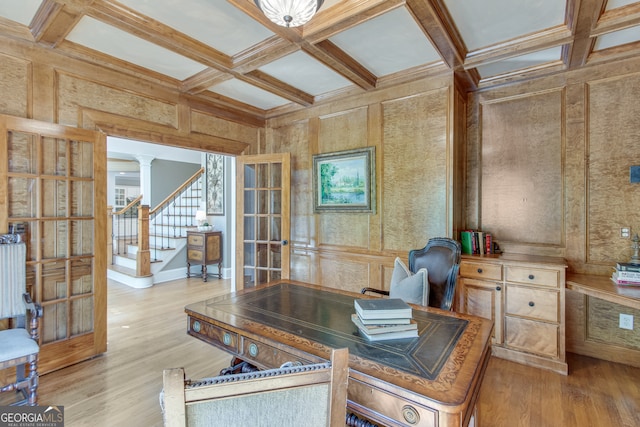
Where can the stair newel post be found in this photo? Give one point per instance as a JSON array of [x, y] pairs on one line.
[[143, 257]]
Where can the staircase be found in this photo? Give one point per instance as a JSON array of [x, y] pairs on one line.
[[140, 265]]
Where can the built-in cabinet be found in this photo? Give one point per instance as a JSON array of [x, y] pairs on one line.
[[524, 296]]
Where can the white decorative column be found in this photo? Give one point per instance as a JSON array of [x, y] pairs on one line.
[[145, 177]]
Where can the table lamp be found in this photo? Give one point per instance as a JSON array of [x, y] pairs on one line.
[[201, 217]]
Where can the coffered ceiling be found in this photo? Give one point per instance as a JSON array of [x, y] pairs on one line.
[[228, 52]]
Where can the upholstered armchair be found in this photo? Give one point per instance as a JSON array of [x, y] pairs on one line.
[[439, 262], [19, 347], [307, 395]]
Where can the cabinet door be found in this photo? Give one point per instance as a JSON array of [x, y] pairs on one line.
[[484, 299]]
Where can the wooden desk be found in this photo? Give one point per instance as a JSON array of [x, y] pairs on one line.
[[430, 381], [602, 287]]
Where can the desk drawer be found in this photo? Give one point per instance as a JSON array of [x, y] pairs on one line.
[[479, 270], [532, 276], [268, 356], [364, 398], [215, 335], [536, 303], [531, 336]]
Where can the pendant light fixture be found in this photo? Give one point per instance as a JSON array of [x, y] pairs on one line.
[[289, 13]]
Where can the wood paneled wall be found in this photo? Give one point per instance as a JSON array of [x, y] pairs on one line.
[[413, 130], [40, 84], [548, 174]]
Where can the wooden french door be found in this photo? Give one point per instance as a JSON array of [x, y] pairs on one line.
[[263, 224], [53, 187]]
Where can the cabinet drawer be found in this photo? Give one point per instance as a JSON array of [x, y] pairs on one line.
[[479, 270], [194, 255], [195, 240], [268, 356], [215, 335], [532, 302], [531, 336], [532, 276]]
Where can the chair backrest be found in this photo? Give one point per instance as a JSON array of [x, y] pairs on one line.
[[309, 395], [441, 258]]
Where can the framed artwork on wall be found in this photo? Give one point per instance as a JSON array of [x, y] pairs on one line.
[[345, 181], [215, 184]]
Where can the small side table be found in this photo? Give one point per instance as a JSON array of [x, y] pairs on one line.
[[204, 248]]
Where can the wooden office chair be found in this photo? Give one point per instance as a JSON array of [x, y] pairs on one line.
[[441, 258], [307, 395], [19, 345]]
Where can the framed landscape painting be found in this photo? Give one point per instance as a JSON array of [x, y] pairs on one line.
[[345, 181]]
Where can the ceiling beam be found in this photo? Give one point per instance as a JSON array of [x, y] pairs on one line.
[[337, 59], [582, 16]]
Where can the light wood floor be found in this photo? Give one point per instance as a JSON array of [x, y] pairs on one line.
[[147, 334]]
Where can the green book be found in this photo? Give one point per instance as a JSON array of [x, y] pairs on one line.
[[466, 242]]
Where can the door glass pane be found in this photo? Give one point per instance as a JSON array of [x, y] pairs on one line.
[[275, 204], [81, 276], [22, 152], [249, 253], [54, 322], [262, 276], [22, 197], [54, 281], [81, 159], [263, 228], [275, 229], [54, 156], [276, 259], [263, 202], [81, 315], [250, 176], [263, 255], [81, 198], [275, 275], [55, 245], [81, 237], [249, 228], [262, 178], [249, 201], [249, 277], [276, 175], [54, 198]]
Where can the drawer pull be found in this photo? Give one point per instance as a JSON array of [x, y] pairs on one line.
[[410, 414], [196, 326], [498, 288], [531, 277], [226, 338], [480, 271], [531, 303], [253, 350]]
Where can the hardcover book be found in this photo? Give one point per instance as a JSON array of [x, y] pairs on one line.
[[384, 328], [390, 335], [382, 308], [628, 266]]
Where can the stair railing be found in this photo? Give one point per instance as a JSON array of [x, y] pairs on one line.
[[176, 212], [124, 228]]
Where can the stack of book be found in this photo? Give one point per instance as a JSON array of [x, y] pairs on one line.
[[384, 319], [626, 274]]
